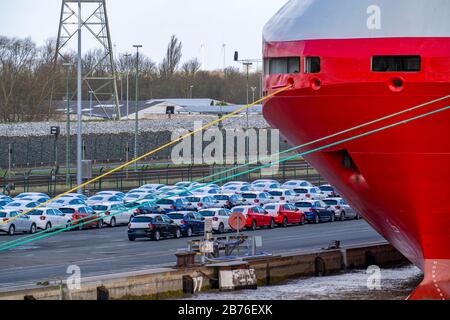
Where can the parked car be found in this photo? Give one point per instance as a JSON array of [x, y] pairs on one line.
[[111, 193], [265, 187], [85, 218], [48, 218], [69, 211], [329, 191], [293, 184], [285, 214], [237, 189], [255, 197], [136, 196], [112, 213], [316, 211], [220, 219], [203, 191], [21, 205], [310, 193], [101, 199], [265, 181], [74, 195], [153, 226], [284, 195], [153, 187], [202, 202], [228, 201], [342, 210], [31, 194], [18, 224], [256, 217], [184, 184], [62, 202], [143, 207], [235, 183], [189, 222], [37, 199], [5, 201], [174, 204]]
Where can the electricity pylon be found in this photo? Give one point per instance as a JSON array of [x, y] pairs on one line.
[[102, 84]]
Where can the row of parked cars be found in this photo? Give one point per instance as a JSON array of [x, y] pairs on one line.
[[157, 211]]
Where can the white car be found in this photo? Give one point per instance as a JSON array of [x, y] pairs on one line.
[[256, 198], [19, 224], [264, 181], [220, 219], [63, 202], [31, 194], [284, 195], [310, 193], [228, 200], [113, 213], [200, 202], [100, 199], [74, 195], [47, 218], [236, 189], [265, 186], [38, 199], [22, 205], [342, 210], [329, 190], [153, 187], [111, 193], [235, 183], [137, 196], [293, 184], [201, 191]]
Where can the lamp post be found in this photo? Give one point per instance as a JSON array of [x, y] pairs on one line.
[[79, 109], [127, 56], [136, 129], [90, 104], [68, 65]]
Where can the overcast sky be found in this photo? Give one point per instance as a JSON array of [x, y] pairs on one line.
[[236, 23]]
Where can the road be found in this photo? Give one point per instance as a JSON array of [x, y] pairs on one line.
[[108, 251]]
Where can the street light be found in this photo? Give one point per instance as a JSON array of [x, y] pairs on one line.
[[79, 106], [137, 46], [68, 66], [127, 56]]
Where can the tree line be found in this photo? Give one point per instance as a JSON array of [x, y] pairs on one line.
[[32, 85]]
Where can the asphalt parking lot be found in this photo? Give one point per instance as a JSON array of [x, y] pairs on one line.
[[108, 251]]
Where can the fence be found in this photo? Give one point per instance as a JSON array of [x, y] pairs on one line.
[[53, 184]]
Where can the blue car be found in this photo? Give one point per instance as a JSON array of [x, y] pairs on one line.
[[316, 211], [190, 223], [174, 204]]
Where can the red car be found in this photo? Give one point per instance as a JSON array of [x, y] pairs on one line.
[[285, 214], [256, 217], [83, 217]]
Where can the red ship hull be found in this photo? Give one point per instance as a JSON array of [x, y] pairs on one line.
[[398, 179]]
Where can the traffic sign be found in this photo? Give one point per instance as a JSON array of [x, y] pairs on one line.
[[237, 221]]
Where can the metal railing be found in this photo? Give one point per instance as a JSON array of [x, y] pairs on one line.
[[53, 184]]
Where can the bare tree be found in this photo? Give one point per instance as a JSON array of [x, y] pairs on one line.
[[191, 67], [172, 59]]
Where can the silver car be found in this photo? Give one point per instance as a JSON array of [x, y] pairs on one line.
[[342, 210], [18, 224]]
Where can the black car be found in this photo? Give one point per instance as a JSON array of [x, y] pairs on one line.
[[144, 208], [316, 211], [153, 226], [190, 223]]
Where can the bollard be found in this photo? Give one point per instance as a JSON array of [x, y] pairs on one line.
[[188, 285], [319, 269], [102, 293]]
